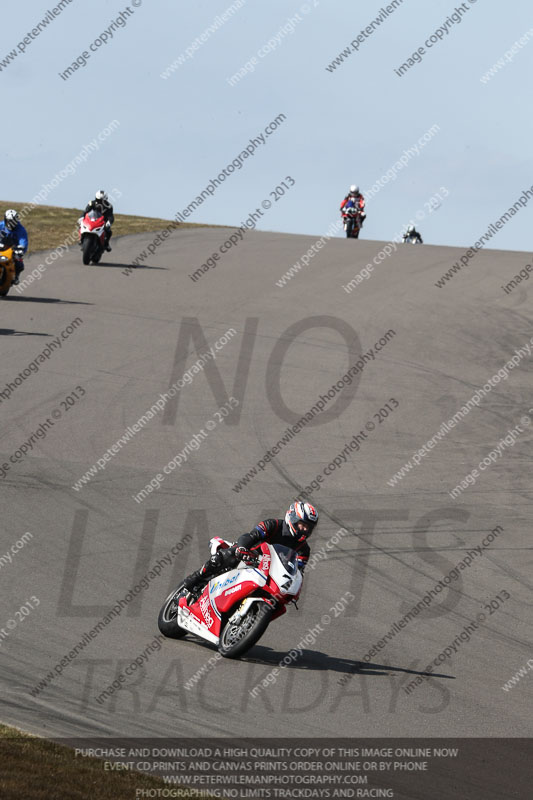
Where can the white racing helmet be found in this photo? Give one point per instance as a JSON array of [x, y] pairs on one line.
[[11, 219], [301, 512]]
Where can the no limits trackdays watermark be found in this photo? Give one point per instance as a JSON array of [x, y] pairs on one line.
[[354, 444], [509, 440], [194, 444], [23, 612], [491, 607], [88, 636], [472, 402], [309, 639], [165, 397], [42, 431], [427, 599]]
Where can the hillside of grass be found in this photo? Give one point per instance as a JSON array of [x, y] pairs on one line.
[[49, 226], [36, 769]]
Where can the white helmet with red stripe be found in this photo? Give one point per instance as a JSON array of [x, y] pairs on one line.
[[301, 518]]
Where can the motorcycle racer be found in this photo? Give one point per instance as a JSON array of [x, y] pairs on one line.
[[14, 234], [102, 205], [412, 233], [292, 531], [354, 199]]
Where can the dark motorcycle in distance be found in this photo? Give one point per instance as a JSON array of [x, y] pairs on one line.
[[411, 240], [352, 222]]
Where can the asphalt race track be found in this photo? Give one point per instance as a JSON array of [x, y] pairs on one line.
[[138, 334]]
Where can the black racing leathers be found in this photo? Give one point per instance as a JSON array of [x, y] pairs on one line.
[[276, 531], [273, 531]]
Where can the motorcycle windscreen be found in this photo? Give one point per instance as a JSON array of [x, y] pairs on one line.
[[95, 217], [284, 570], [287, 556]]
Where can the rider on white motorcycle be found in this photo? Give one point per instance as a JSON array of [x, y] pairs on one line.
[[101, 203], [293, 532]]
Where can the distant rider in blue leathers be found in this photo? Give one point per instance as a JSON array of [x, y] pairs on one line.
[[13, 234]]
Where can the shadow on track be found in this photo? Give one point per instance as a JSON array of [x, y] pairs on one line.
[[316, 661], [13, 332], [24, 299]]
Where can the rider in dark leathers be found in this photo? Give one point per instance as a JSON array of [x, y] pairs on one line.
[[293, 532], [411, 232], [102, 205]]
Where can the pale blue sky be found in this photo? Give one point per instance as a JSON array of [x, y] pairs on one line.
[[350, 125]]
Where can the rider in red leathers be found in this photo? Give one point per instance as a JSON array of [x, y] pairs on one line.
[[355, 199]]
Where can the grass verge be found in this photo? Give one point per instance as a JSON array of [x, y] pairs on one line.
[[36, 769], [49, 226]]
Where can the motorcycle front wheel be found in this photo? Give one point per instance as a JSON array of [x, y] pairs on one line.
[[237, 638], [86, 250], [5, 283], [167, 619]]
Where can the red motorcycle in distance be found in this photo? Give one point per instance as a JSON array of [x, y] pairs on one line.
[[92, 236], [352, 222], [235, 608]]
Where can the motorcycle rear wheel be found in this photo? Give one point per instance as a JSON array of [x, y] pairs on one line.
[[237, 639], [167, 619]]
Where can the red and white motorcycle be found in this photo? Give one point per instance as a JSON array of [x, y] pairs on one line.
[[352, 222], [92, 236], [235, 608]]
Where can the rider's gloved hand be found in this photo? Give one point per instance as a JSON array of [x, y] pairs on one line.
[[245, 555]]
